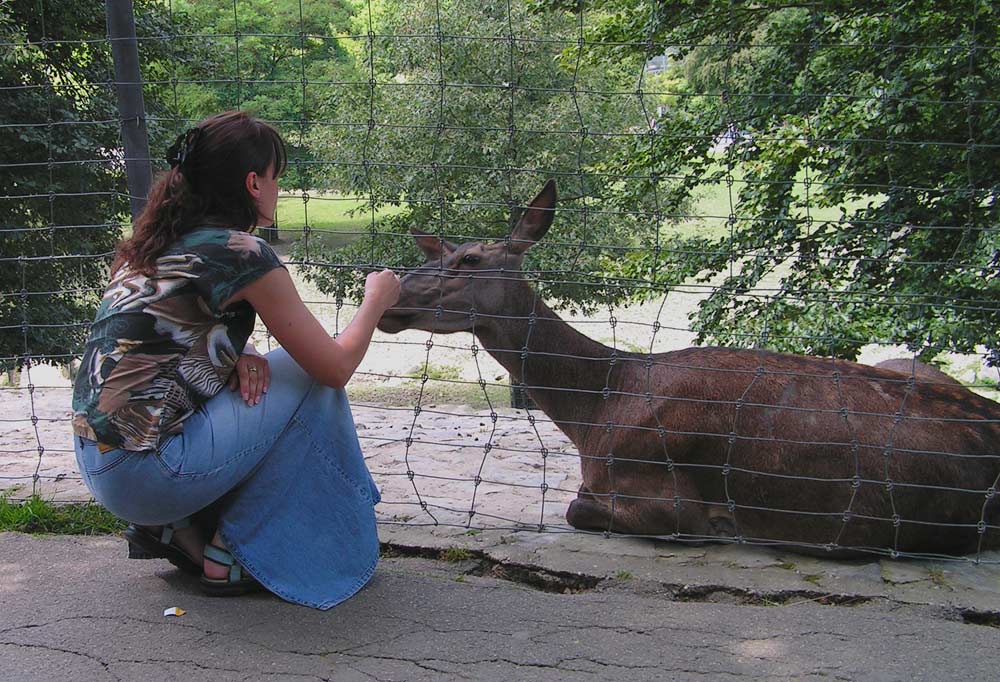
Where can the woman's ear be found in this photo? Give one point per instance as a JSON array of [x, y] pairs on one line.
[[252, 185]]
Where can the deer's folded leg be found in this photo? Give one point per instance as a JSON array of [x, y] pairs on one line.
[[640, 517]]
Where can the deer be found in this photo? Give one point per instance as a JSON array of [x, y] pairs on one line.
[[819, 455], [918, 370]]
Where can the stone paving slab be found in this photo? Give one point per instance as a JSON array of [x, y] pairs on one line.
[[724, 572]]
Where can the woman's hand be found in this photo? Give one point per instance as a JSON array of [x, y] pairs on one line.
[[252, 376], [382, 288]]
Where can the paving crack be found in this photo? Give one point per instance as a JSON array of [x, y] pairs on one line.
[[567, 582], [988, 618], [419, 663], [545, 580], [46, 647]]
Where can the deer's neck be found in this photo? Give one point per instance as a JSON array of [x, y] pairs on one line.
[[563, 370]]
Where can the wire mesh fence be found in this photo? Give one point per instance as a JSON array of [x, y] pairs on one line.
[[736, 183]]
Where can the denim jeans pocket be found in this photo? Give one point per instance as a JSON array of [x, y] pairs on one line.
[[93, 462], [170, 455], [186, 457]]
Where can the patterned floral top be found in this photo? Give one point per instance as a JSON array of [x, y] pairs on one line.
[[161, 346]]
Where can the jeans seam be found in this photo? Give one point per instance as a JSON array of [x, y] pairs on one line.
[[106, 467], [266, 444], [363, 489]]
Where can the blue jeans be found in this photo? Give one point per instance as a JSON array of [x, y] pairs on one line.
[[296, 498]]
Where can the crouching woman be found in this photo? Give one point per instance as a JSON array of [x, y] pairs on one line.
[[261, 485]]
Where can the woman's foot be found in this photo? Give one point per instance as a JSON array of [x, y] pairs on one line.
[[188, 540], [179, 543], [224, 576], [214, 570]]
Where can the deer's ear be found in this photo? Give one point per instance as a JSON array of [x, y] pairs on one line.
[[432, 245], [534, 222]]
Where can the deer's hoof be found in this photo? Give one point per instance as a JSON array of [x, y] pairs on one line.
[[722, 525]]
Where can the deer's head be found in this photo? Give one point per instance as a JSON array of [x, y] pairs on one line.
[[460, 282]]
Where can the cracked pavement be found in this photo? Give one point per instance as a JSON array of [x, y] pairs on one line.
[[74, 608]]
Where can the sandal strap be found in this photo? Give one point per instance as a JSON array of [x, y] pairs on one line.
[[167, 534], [220, 556]]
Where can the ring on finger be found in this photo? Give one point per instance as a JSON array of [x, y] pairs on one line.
[[252, 369]]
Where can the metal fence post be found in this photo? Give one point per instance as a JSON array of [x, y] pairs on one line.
[[131, 107]]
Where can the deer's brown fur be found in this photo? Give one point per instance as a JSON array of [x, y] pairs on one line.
[[725, 443], [919, 371]]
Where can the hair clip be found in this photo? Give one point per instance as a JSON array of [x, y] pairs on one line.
[[180, 151]]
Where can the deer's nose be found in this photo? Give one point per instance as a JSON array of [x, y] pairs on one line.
[[407, 279]]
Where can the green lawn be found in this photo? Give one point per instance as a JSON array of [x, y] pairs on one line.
[[337, 220], [332, 218], [713, 204]]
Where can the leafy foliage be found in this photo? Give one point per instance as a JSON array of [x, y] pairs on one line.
[[270, 57], [63, 186], [458, 114], [858, 140], [64, 196]]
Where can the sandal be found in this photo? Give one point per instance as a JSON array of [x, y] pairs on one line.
[[143, 543], [236, 583]]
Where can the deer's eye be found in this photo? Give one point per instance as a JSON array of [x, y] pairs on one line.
[[469, 259]]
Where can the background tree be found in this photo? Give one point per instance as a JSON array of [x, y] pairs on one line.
[[62, 188], [270, 57], [859, 140], [460, 111]]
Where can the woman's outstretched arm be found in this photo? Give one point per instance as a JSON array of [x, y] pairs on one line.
[[329, 361]]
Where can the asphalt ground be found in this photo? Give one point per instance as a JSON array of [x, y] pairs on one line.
[[74, 608]]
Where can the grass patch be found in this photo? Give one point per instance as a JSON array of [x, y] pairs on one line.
[[332, 218], [455, 554], [435, 393], [445, 372], [937, 577], [36, 515], [712, 205], [623, 575]]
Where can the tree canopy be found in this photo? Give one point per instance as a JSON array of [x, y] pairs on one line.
[[270, 57], [855, 145], [860, 149], [62, 190], [459, 113]]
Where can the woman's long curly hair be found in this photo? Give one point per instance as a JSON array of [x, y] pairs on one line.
[[206, 185]]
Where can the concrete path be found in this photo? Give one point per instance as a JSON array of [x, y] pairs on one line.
[[75, 609]]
